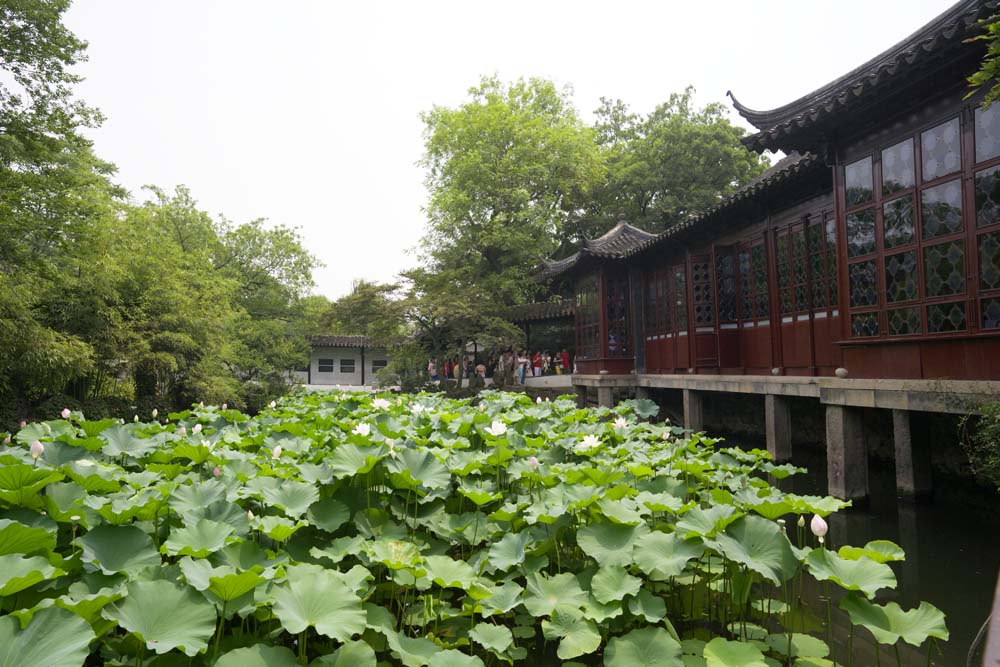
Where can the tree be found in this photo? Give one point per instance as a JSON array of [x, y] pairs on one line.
[[988, 74], [372, 309], [506, 171], [664, 167]]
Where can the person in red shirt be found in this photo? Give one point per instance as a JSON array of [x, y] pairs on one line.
[[565, 362], [536, 364]]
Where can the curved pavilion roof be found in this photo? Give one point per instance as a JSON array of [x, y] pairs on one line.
[[867, 89], [617, 242]]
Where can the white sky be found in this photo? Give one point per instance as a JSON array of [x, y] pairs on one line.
[[308, 112]]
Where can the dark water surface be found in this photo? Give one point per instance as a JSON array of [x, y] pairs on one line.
[[952, 546]]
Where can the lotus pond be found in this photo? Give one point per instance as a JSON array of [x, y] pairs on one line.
[[363, 530]]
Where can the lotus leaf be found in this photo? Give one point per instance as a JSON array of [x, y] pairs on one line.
[[862, 574], [612, 583], [760, 545], [509, 551], [802, 646], [880, 551], [453, 658], [320, 600], [496, 638], [17, 538], [350, 654], [166, 616], [665, 555], [258, 655], [645, 647], [889, 623], [578, 635], [328, 514], [294, 498], [19, 572], [609, 543], [721, 652], [199, 540], [54, 638], [648, 606], [543, 593]]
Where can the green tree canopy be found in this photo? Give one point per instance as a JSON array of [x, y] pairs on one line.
[[505, 171]]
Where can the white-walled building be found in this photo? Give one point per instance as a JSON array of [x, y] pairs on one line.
[[344, 360]]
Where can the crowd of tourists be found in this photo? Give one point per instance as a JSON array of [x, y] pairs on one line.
[[510, 367]]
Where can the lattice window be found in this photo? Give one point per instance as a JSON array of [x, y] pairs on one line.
[[725, 286], [588, 318], [821, 241], [617, 305], [679, 298], [657, 315], [701, 293], [755, 301]]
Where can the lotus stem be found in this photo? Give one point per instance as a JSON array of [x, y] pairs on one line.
[[899, 663]]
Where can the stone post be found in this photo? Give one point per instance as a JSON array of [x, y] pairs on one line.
[[694, 410], [641, 393], [581, 395], [606, 397], [913, 456], [846, 453], [778, 427]]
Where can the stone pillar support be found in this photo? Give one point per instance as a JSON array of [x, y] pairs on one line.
[[606, 397], [581, 395], [694, 410], [846, 453], [641, 393], [778, 427], [913, 456]]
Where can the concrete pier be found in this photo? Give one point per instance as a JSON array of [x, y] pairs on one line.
[[606, 397], [694, 410], [913, 455], [778, 427], [581, 395], [846, 453]]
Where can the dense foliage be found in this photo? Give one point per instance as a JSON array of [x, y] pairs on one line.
[[342, 529], [109, 303], [987, 77]]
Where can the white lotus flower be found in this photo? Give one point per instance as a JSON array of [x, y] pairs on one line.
[[391, 444], [362, 429], [276, 452], [196, 429], [37, 449], [818, 526], [381, 404], [225, 406], [589, 442], [86, 463], [155, 413], [135, 418], [249, 515], [65, 413], [201, 404], [538, 400], [496, 429], [801, 522], [272, 404], [417, 408], [621, 423], [75, 517]]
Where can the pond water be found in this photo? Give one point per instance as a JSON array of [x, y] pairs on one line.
[[952, 546]]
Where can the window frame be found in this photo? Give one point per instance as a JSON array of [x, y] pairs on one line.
[[320, 363], [343, 365]]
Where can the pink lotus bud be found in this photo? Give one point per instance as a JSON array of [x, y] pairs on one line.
[[818, 526], [534, 462], [276, 452], [182, 432], [196, 429], [37, 449], [22, 423], [216, 471], [65, 413]]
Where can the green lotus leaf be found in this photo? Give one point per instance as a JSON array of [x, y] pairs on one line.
[[17, 538], [660, 502], [449, 573], [354, 653], [193, 497], [19, 572], [196, 453], [241, 555], [54, 638], [802, 646], [227, 587], [199, 540], [453, 658], [759, 544], [93, 478], [822, 505], [394, 554], [700, 522], [349, 460], [320, 600], [481, 492], [889, 623], [664, 555], [648, 606], [20, 484], [121, 441], [610, 543], [725, 653], [329, 514], [612, 583], [119, 548], [496, 638], [509, 551], [880, 551], [278, 528], [294, 498], [411, 468], [258, 655], [544, 593], [863, 574], [504, 598], [645, 647], [411, 651], [166, 616], [578, 635]]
